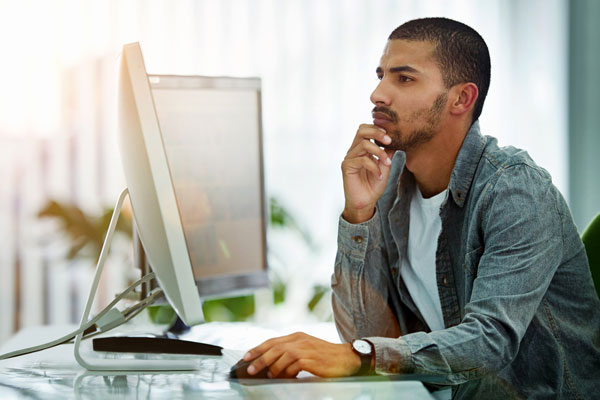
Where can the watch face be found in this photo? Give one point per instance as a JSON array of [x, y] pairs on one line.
[[362, 346]]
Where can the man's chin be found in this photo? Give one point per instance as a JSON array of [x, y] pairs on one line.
[[413, 142]]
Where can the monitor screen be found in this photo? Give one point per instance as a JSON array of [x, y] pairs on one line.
[[212, 138]]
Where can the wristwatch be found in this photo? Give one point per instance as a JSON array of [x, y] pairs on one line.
[[365, 350]]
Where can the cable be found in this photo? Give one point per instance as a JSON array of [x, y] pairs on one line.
[[129, 313], [91, 323]]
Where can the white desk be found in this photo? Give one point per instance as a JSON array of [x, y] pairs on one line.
[[54, 373]]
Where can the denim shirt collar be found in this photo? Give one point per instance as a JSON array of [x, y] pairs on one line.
[[466, 164]]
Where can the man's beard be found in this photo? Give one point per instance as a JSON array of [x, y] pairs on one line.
[[420, 136]]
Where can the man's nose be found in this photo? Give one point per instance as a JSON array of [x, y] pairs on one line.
[[380, 95]]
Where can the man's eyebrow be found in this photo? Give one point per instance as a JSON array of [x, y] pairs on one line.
[[403, 68]]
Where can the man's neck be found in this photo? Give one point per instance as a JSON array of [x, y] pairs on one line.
[[432, 163]]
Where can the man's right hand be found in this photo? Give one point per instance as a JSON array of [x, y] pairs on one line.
[[365, 170]]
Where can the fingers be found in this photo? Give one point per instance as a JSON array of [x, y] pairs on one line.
[[367, 156], [260, 349], [366, 147], [266, 360], [294, 369], [368, 132], [270, 352], [354, 165], [364, 154], [286, 359], [365, 171], [288, 355]]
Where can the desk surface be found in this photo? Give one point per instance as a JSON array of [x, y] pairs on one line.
[[54, 374]]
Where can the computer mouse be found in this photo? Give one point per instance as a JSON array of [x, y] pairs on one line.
[[240, 371]]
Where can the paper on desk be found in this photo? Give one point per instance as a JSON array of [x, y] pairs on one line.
[[232, 356], [240, 335]]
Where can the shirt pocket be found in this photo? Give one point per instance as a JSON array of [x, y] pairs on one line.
[[471, 262]]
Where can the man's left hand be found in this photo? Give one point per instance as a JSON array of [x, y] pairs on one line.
[[286, 356]]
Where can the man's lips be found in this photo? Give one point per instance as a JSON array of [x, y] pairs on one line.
[[380, 118]]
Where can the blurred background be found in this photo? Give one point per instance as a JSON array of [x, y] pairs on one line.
[[60, 166]]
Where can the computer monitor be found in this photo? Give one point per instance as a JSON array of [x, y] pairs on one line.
[[191, 149]]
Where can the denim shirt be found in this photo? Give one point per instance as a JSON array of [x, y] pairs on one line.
[[521, 316]]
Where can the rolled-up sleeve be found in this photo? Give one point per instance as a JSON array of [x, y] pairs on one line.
[[360, 282]]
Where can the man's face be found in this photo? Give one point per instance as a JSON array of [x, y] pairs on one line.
[[410, 97]]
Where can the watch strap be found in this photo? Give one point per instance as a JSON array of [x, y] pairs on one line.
[[365, 361]]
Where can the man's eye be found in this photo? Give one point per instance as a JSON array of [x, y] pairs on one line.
[[379, 77], [405, 78]]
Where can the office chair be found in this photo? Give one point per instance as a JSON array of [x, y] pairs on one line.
[[591, 241]]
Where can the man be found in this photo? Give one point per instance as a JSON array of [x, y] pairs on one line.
[[458, 260]]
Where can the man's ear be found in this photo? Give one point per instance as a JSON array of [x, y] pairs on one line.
[[464, 96]]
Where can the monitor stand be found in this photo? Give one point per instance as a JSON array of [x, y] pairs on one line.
[[178, 327], [117, 364]]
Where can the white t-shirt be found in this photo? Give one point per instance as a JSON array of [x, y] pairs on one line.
[[418, 265]]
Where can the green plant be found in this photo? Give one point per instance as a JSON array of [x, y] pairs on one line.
[[238, 308], [86, 232], [318, 292], [282, 219], [162, 314]]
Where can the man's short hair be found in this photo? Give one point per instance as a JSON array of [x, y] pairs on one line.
[[460, 52]]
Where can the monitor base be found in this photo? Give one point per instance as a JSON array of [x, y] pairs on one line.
[[163, 345], [98, 364]]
